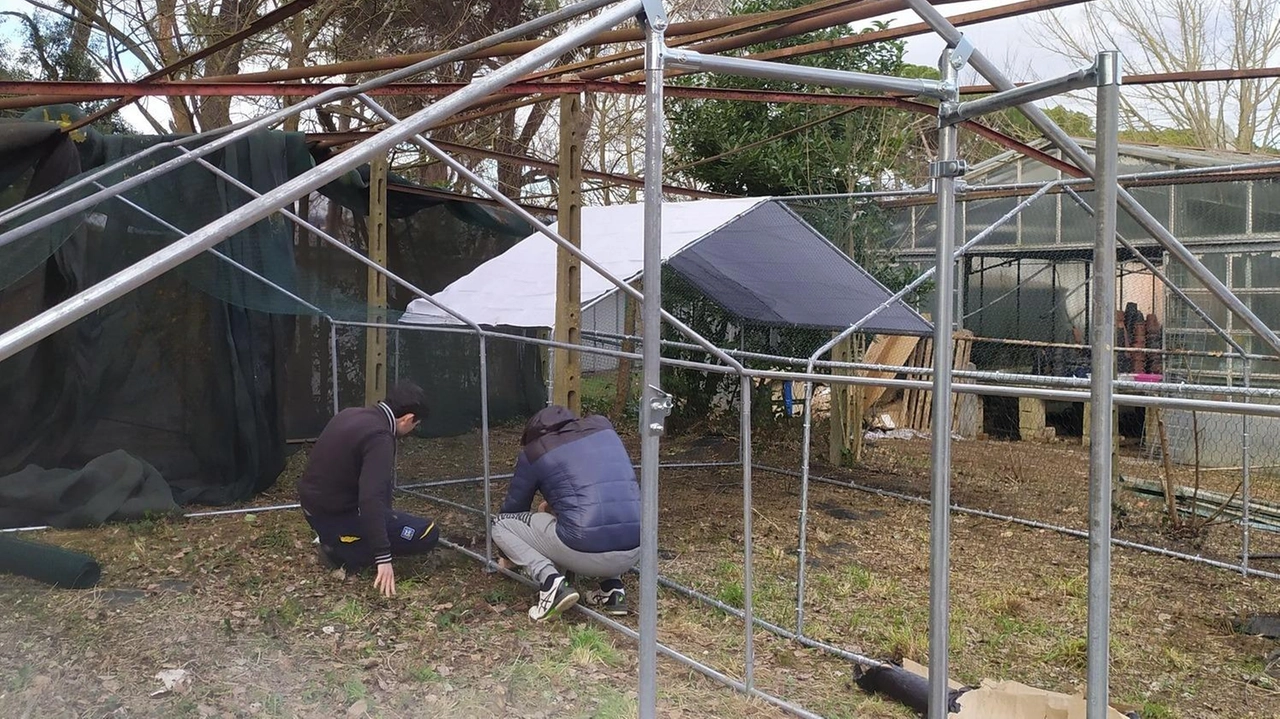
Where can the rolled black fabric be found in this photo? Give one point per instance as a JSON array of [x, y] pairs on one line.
[[900, 685], [47, 563]]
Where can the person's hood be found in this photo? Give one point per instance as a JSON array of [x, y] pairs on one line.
[[548, 420]]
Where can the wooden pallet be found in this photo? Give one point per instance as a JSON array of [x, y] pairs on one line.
[[888, 350], [917, 404]]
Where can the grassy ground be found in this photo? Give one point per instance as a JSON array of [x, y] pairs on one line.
[[262, 630]]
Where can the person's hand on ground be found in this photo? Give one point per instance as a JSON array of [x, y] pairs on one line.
[[385, 582]]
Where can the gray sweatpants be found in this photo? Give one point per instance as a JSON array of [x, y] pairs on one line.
[[529, 540]]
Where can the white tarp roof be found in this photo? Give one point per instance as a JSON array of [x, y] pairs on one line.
[[518, 287]]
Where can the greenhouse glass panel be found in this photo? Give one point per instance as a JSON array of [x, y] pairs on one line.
[[1156, 201], [981, 214], [1078, 225], [1264, 269], [1266, 206], [1211, 210]]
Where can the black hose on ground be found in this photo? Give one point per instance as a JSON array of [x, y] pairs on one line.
[[47, 563]]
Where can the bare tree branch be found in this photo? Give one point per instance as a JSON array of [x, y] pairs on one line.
[[1181, 35]]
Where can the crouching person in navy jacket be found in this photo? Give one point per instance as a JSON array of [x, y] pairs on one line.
[[589, 520]]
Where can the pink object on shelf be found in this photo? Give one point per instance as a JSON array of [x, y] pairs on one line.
[[1148, 377]]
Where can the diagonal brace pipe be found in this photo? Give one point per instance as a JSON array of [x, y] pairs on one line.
[[308, 226], [129, 279], [544, 229], [1077, 154], [227, 135]]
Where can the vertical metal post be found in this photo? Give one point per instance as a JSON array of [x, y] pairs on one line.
[[748, 579], [1246, 476], [396, 358], [484, 449], [333, 363], [944, 172], [656, 403], [801, 560], [1072, 151], [1102, 376]]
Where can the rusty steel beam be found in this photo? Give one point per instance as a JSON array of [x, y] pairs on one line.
[[1160, 78], [269, 20], [897, 33], [453, 196], [509, 49], [336, 139], [862, 11], [997, 137], [59, 91], [459, 149], [552, 89], [853, 101], [804, 11], [975, 192]]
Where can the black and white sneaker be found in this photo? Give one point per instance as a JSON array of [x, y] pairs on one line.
[[610, 601], [554, 598]]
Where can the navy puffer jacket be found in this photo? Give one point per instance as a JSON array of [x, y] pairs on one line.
[[585, 474]]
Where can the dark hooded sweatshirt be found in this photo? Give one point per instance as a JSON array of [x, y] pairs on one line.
[[583, 471], [350, 471]]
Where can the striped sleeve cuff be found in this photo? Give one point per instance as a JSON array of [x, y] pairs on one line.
[[384, 558]]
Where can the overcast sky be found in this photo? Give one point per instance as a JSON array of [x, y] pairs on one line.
[[1006, 42]]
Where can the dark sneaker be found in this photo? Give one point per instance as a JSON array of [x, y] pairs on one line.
[[554, 598], [610, 601], [325, 557]]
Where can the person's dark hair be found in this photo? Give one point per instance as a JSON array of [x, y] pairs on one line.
[[549, 419], [407, 398]]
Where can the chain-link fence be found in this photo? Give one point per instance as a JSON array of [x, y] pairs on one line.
[[1187, 479]]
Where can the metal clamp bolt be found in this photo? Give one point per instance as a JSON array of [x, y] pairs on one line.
[[660, 405], [948, 168]]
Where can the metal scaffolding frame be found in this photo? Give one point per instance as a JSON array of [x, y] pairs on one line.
[[1105, 75]]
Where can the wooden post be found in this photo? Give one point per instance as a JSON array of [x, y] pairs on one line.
[[567, 380], [846, 399], [839, 409], [622, 385], [846, 409], [375, 363], [301, 235], [1031, 419]]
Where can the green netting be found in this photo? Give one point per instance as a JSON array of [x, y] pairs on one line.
[[205, 371], [280, 270]]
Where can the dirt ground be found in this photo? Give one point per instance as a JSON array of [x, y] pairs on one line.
[[239, 603]]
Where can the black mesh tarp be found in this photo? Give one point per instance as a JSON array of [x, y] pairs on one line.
[[770, 267], [193, 372]]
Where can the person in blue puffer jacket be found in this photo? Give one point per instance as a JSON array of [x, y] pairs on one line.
[[588, 521]]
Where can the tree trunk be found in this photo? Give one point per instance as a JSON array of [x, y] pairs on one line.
[[232, 16], [165, 35], [298, 47]]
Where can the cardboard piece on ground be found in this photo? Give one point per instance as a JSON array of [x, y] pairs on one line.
[[1012, 700], [890, 350]]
